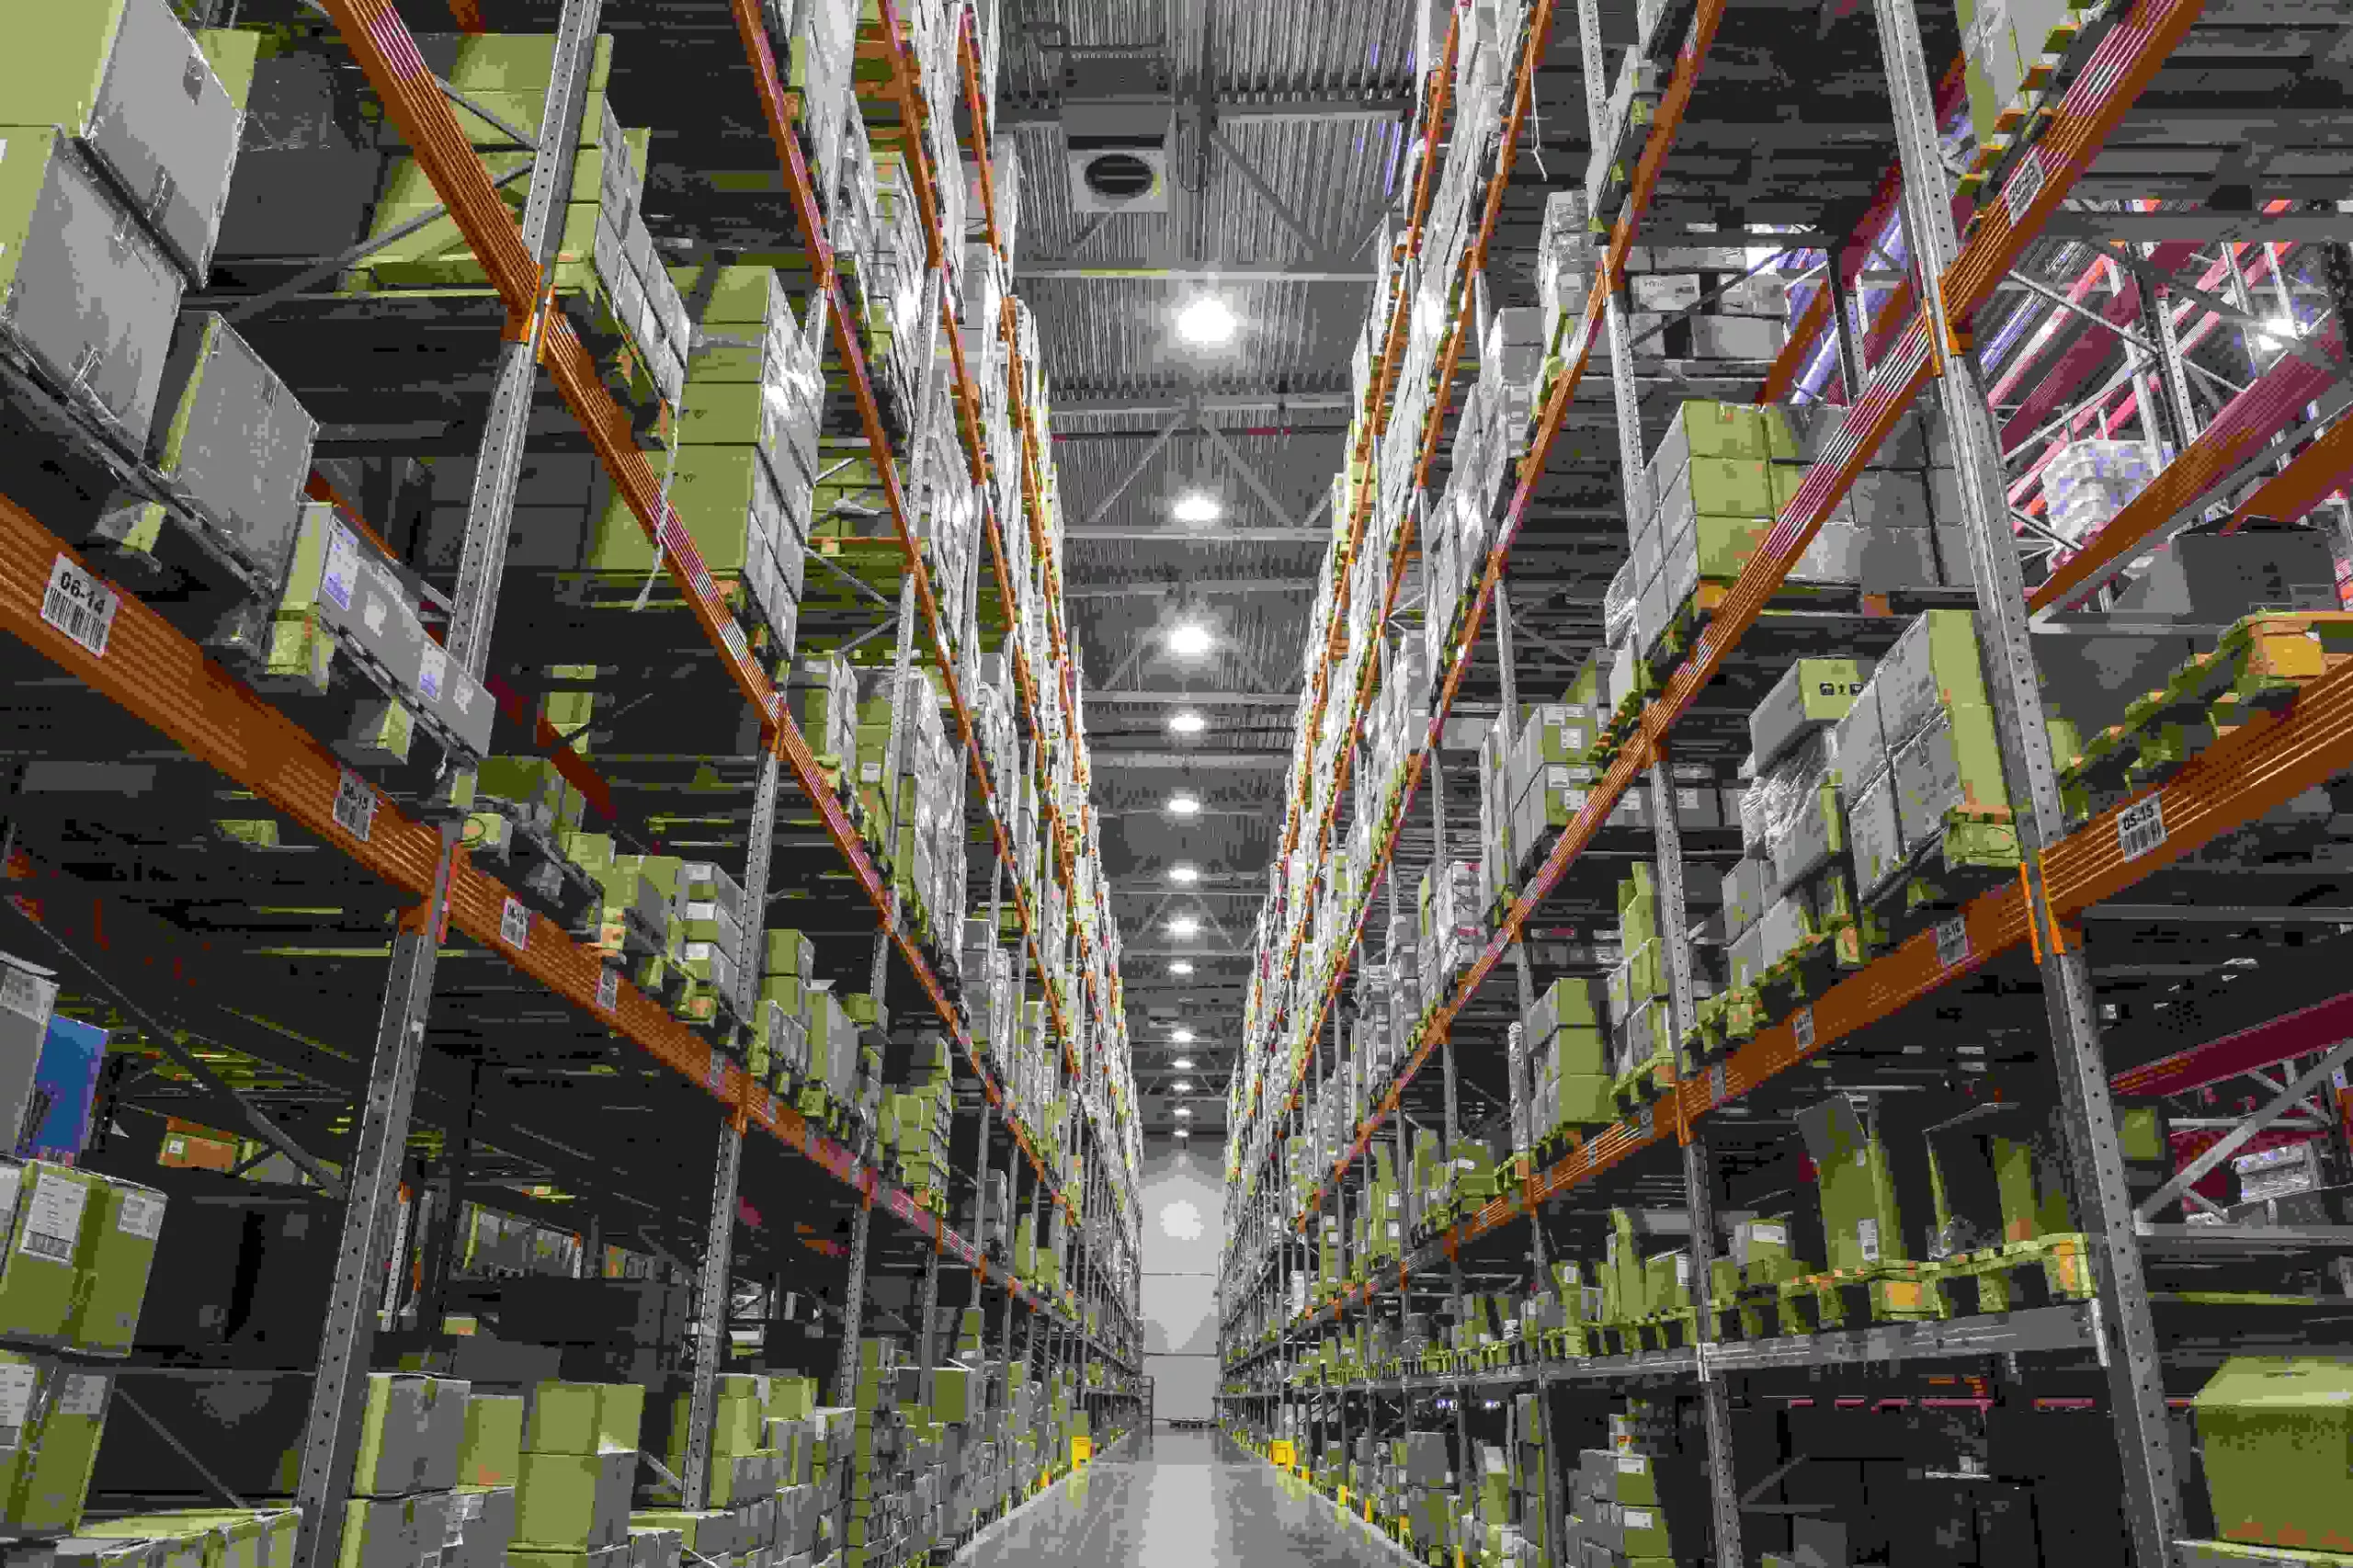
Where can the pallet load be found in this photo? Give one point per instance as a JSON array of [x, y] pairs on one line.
[[1921, 775], [743, 469], [115, 96]]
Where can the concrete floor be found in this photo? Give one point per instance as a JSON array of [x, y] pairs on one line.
[[1179, 1500]]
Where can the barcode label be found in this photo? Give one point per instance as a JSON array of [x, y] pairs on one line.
[[1866, 1238], [355, 806], [1719, 1083], [718, 1074], [1802, 1028], [142, 1215], [2141, 826], [84, 1393], [514, 924], [609, 989], [1953, 941], [430, 669], [19, 1380], [53, 1218], [342, 568], [27, 995], [80, 606], [2024, 187], [1646, 1125]]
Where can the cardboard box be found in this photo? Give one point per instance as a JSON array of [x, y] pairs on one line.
[[1811, 695], [129, 80], [232, 436], [88, 293]]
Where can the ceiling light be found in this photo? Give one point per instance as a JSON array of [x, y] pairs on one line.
[[1183, 1062], [1198, 506], [1185, 805], [1182, 1037], [1189, 639], [1185, 722], [1184, 925], [1184, 1111], [1207, 319], [1183, 1085], [2275, 332], [1182, 966], [1180, 1132], [1184, 873]]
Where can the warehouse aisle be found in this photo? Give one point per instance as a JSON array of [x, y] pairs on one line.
[[1179, 1500]]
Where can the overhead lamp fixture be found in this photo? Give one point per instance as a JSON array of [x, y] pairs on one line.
[[1184, 1110], [1184, 925], [1184, 873], [1198, 506], [1183, 1036], [1182, 966], [2275, 332], [1190, 640], [1184, 805], [1183, 1062], [1183, 1085], [1207, 320], [1182, 1133], [1185, 722]]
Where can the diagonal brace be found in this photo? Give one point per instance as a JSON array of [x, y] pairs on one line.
[[1250, 475], [2232, 1142], [1266, 193]]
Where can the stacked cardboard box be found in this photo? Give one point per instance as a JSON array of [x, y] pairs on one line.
[[1921, 769], [575, 1475], [233, 445], [91, 286], [339, 593], [419, 1438], [788, 1001]]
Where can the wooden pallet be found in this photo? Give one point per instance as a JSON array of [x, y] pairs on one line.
[[1850, 1298], [2016, 1275]]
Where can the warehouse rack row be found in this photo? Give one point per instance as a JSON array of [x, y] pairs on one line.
[[2239, 796], [269, 986]]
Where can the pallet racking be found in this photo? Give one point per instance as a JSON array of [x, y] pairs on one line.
[[374, 852], [2121, 74]]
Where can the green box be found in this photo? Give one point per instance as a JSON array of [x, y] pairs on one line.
[[54, 1210], [117, 1256], [2277, 1436], [569, 1501], [1731, 487], [490, 1452], [61, 1444], [582, 1418]]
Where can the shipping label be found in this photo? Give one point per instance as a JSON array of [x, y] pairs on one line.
[[18, 1381], [141, 1215], [27, 995], [83, 1393], [342, 568], [52, 1225]]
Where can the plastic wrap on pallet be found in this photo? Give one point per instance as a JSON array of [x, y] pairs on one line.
[[2088, 483]]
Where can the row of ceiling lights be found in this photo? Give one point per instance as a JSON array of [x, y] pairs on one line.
[[1208, 319]]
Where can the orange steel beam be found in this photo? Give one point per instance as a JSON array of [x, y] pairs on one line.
[[2311, 477], [153, 672]]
